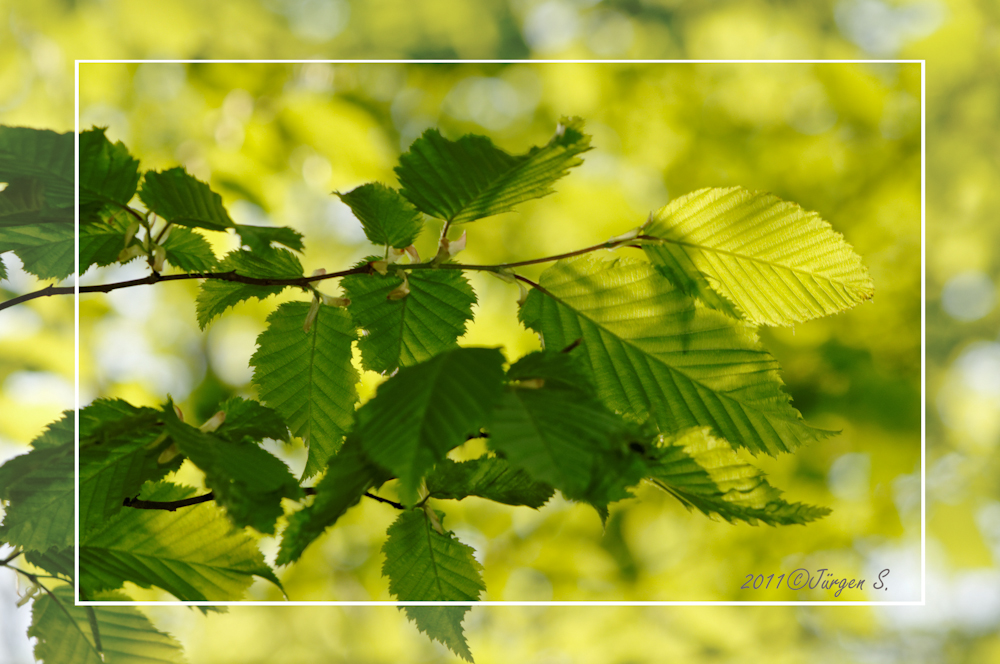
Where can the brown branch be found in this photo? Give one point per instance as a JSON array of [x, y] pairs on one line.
[[304, 282], [154, 278], [173, 505]]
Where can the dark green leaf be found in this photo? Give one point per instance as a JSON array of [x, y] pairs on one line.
[[471, 178], [246, 480], [217, 295], [39, 488], [182, 199], [42, 155], [47, 250], [403, 332], [22, 202], [349, 474], [120, 447], [102, 241], [108, 173], [424, 563], [259, 238], [387, 218], [563, 437], [57, 562], [425, 410], [308, 377], [248, 419], [487, 477]]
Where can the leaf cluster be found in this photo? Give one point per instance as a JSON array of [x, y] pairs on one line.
[[650, 370]]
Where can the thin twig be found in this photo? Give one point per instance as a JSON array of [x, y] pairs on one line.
[[301, 282], [398, 506], [305, 282], [173, 505]]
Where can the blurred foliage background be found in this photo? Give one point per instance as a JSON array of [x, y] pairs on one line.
[[839, 139]]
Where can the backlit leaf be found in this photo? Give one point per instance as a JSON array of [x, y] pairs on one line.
[[64, 634], [193, 552], [703, 472], [652, 352], [778, 263]]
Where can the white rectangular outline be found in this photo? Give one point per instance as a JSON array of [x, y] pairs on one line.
[[923, 350]]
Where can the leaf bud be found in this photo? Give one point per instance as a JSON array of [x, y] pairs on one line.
[[159, 256], [166, 233], [311, 316], [130, 232], [332, 301], [400, 291], [523, 295], [214, 422], [382, 267], [168, 455], [128, 253]]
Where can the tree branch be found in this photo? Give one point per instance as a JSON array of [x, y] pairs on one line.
[[173, 505], [304, 282], [154, 278]]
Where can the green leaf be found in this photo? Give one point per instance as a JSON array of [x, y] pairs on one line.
[[247, 419], [102, 241], [471, 178], [42, 155], [778, 263], [403, 332], [348, 476], [703, 472], [555, 368], [425, 410], [47, 250], [259, 238], [119, 450], [563, 437], [127, 636], [217, 295], [424, 564], [491, 478], [57, 562], [108, 173], [246, 480], [189, 251], [193, 553], [387, 218], [182, 199], [116, 457], [308, 377], [651, 352], [39, 488], [21, 202]]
